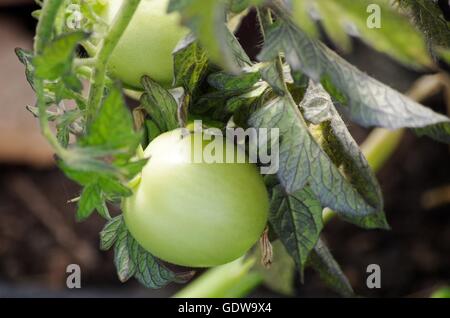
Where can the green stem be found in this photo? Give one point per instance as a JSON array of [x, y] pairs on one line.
[[43, 120], [227, 281], [44, 32], [379, 146], [108, 44], [218, 282], [44, 27], [91, 62]]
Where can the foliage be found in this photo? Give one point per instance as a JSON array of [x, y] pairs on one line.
[[298, 85]]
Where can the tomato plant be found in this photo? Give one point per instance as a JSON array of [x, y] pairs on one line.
[[205, 214]]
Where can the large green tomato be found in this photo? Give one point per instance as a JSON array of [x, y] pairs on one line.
[[147, 44], [195, 214]]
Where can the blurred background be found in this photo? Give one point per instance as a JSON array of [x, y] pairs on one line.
[[39, 236]]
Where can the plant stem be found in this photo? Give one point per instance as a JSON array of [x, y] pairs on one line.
[[229, 280], [44, 31], [43, 120], [380, 145], [44, 27], [85, 62], [108, 44]]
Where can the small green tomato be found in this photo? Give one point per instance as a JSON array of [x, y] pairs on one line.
[[196, 214], [147, 44]]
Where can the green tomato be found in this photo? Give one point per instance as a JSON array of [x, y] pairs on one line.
[[147, 44], [193, 213]]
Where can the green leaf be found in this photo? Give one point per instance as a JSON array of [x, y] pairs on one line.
[[63, 125], [238, 56], [429, 18], [270, 74], [131, 259], [332, 23], [302, 161], [26, 58], [125, 267], [332, 133], [113, 187], [103, 211], [110, 232], [56, 59], [396, 35], [231, 94], [329, 270], [301, 13], [132, 168], [113, 128], [160, 105], [90, 198], [221, 105], [57, 91], [72, 82], [85, 172], [247, 100], [207, 20], [237, 6], [81, 177], [149, 272], [297, 220], [90, 160], [230, 82], [367, 101], [152, 129], [63, 135], [190, 63]]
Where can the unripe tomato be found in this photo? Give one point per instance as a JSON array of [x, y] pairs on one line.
[[195, 214], [147, 44]]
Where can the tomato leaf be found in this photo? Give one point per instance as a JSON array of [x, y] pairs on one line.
[[113, 187], [160, 105], [131, 259], [207, 21], [367, 101], [113, 128], [132, 168], [190, 64], [125, 267], [109, 233], [396, 35], [332, 133], [302, 161], [149, 272], [270, 74], [56, 59], [26, 58], [297, 220], [90, 198], [329, 270], [152, 129], [225, 81], [428, 17], [102, 210]]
